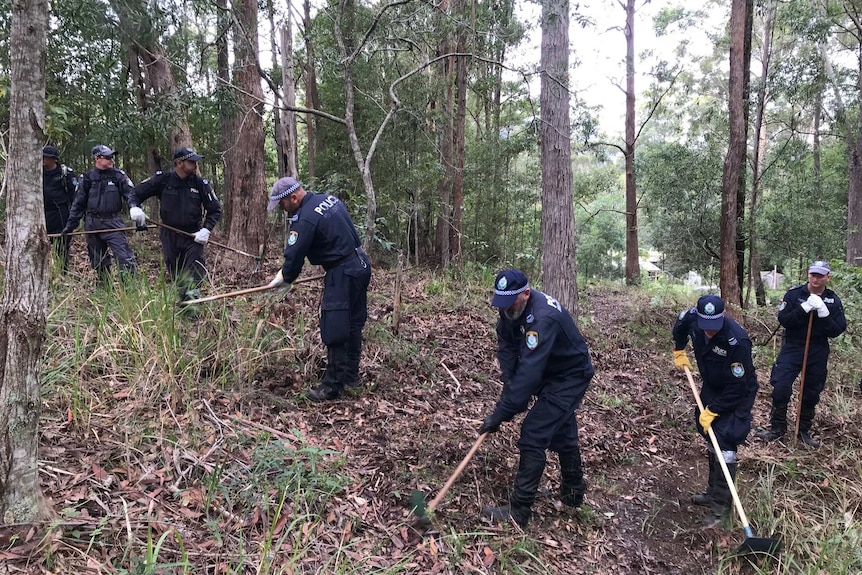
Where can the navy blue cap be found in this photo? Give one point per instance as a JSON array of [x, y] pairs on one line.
[[186, 154], [103, 151], [710, 313], [50, 152], [281, 189], [507, 286]]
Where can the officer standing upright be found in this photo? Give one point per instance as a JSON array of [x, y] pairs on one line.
[[722, 350], [321, 229], [815, 304], [58, 192], [541, 353], [102, 195], [188, 203]]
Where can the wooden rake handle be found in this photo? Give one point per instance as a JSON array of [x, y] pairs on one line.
[[266, 287], [802, 377], [434, 502], [728, 479], [213, 242]]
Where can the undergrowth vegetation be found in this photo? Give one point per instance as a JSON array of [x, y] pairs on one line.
[[181, 444]]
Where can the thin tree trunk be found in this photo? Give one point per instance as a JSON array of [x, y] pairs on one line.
[[25, 294], [734, 160], [757, 159], [459, 134], [559, 267], [288, 120], [226, 105], [633, 269], [312, 98]]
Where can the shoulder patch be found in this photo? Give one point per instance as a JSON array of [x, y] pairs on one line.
[[532, 339], [782, 305], [737, 369], [530, 317], [204, 180], [292, 237], [733, 341]]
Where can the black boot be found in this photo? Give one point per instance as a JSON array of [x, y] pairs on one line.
[[806, 418], [721, 498], [777, 423], [332, 384], [572, 486], [521, 515], [705, 499], [354, 353], [530, 470]]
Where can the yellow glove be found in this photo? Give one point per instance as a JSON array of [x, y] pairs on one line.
[[680, 359], [706, 418]]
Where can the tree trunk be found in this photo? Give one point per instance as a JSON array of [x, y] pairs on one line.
[[224, 96], [734, 160], [633, 268], [288, 117], [25, 293], [154, 78], [247, 200], [312, 98], [459, 133], [444, 221], [559, 267], [741, 189], [757, 160]]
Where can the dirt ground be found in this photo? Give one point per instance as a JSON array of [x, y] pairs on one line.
[[405, 429]]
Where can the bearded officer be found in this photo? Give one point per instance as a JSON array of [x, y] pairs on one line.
[[543, 354]]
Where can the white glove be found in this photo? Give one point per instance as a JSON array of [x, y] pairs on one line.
[[138, 216], [278, 281], [813, 302], [823, 311], [202, 236]]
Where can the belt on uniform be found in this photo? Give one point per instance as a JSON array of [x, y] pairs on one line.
[[100, 215], [344, 260]]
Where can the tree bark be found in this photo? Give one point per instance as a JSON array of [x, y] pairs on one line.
[[247, 184], [459, 133], [559, 267], [312, 98], [757, 159], [734, 160], [633, 269], [27, 258]]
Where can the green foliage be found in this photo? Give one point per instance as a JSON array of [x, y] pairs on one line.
[[682, 185]]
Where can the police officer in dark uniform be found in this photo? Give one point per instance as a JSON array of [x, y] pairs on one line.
[[541, 353], [188, 203], [321, 229], [722, 350], [815, 303], [58, 192], [102, 194]]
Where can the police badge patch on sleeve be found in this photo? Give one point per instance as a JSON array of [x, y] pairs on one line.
[[291, 239], [782, 305], [737, 370], [532, 339]]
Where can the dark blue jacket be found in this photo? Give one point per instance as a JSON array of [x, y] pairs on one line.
[[541, 353], [725, 364], [322, 231], [187, 204], [795, 319]]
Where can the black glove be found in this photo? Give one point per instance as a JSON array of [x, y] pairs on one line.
[[67, 229], [491, 424]]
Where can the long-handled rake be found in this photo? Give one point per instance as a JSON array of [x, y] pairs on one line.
[[751, 544], [417, 498]]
